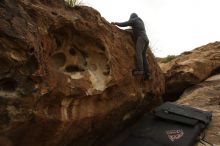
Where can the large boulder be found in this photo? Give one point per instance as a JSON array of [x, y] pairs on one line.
[[206, 96], [190, 68], [65, 76]]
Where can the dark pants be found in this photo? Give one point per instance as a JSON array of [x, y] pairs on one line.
[[141, 47]]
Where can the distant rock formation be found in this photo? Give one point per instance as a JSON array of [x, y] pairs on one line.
[[190, 68], [193, 78], [65, 76], [206, 96]]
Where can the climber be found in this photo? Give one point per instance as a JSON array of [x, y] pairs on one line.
[[142, 43]]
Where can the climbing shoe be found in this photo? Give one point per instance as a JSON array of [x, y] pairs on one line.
[[137, 72], [147, 76]]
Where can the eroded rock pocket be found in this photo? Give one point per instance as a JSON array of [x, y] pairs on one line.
[[8, 84], [4, 66], [59, 59], [73, 68]]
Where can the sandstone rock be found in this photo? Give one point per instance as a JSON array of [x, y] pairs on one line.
[[206, 96], [65, 76], [190, 68]]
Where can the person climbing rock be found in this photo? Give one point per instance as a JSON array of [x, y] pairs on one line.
[[142, 43]]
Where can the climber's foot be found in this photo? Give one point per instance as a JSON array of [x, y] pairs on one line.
[[147, 76], [137, 72]]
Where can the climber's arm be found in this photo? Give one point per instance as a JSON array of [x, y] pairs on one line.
[[124, 24]]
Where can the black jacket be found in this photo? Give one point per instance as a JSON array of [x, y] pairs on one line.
[[137, 25]]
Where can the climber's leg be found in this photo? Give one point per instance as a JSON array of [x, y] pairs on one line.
[[145, 62], [140, 45]]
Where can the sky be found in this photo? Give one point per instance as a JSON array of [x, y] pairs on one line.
[[173, 26]]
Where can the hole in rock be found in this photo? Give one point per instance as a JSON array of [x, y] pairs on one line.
[[107, 70], [54, 13], [100, 46], [4, 65], [3, 101], [106, 73], [8, 84], [72, 51], [215, 72], [31, 50], [32, 64], [60, 34], [73, 68], [59, 59], [42, 44], [4, 118], [58, 41]]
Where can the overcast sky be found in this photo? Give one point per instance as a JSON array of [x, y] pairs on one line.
[[173, 26]]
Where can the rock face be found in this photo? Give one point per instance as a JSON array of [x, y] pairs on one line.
[[190, 68], [206, 96], [65, 76]]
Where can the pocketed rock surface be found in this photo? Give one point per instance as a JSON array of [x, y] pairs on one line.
[[65, 76]]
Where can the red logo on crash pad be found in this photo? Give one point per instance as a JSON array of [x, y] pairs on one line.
[[174, 134]]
